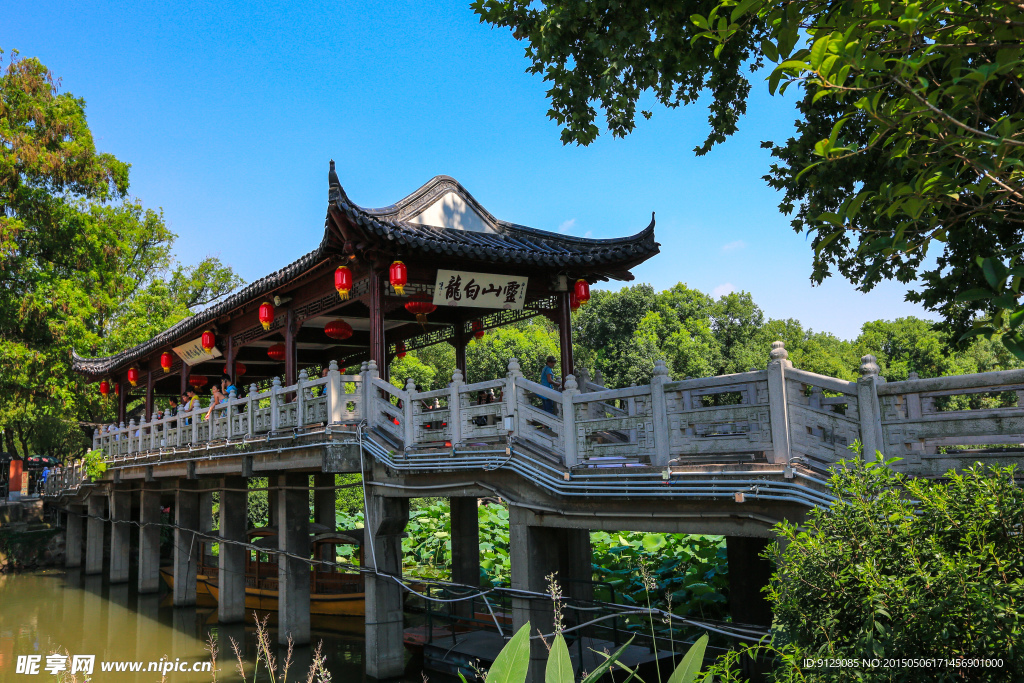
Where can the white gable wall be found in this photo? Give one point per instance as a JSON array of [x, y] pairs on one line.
[[451, 211]]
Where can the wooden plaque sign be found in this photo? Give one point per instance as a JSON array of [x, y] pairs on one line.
[[479, 290]]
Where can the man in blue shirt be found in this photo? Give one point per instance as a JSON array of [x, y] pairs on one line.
[[547, 379]]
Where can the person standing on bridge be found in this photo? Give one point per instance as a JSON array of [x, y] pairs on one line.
[[548, 379]]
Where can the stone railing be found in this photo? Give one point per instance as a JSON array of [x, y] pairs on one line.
[[778, 415], [65, 479]]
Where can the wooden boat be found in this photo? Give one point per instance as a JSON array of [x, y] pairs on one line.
[[332, 592]]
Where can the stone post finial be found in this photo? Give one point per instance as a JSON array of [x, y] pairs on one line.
[[156, 416], [277, 383], [660, 369], [232, 395], [514, 367], [778, 351], [868, 365], [912, 375], [410, 384], [253, 389], [303, 375], [122, 425], [598, 377], [131, 422], [570, 383], [332, 366], [457, 376], [364, 366], [372, 366]]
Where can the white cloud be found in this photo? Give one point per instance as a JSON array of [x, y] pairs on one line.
[[723, 289], [733, 246], [567, 227]]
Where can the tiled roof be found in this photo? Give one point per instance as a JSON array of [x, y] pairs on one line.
[[503, 243]]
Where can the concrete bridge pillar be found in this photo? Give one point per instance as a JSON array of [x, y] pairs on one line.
[[533, 555], [186, 547], [465, 548], [382, 549], [73, 537], [94, 532], [323, 506], [120, 534], [149, 538], [748, 574], [293, 578], [231, 577]]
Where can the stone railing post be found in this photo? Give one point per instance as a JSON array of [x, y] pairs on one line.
[[156, 441], [138, 432], [455, 407], [659, 406], [569, 390], [510, 395], [582, 379], [778, 406], [335, 398], [867, 404], [407, 418], [230, 413], [197, 415], [275, 401], [250, 409], [300, 398], [371, 391]]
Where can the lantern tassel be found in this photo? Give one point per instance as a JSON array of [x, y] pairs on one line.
[[343, 294], [421, 318], [399, 289]]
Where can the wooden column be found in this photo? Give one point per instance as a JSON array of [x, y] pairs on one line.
[[185, 371], [565, 333], [290, 358], [149, 394], [377, 347], [122, 399], [459, 342], [230, 359]]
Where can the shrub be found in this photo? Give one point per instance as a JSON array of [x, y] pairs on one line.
[[902, 568]]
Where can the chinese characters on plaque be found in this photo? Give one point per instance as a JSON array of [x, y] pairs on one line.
[[192, 352], [480, 290]]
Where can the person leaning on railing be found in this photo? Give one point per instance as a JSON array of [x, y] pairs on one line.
[[548, 379]]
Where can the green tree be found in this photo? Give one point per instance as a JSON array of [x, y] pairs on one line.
[[530, 342], [902, 567], [909, 142], [84, 267]]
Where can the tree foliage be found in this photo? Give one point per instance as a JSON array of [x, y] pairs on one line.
[[905, 568], [907, 160], [83, 266]]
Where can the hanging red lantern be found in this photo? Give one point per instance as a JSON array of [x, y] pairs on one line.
[[582, 291], [421, 305], [338, 329], [343, 281], [104, 388], [208, 340], [574, 301], [276, 352], [266, 314], [198, 381], [400, 349], [478, 329], [133, 376], [399, 277], [239, 370], [166, 361]]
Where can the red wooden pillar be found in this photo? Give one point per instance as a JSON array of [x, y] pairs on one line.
[[290, 358], [229, 369], [377, 347], [459, 342], [149, 394], [565, 333], [122, 399]]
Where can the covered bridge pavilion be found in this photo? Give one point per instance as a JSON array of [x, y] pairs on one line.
[[464, 272]]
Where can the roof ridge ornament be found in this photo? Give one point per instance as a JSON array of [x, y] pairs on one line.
[[334, 189]]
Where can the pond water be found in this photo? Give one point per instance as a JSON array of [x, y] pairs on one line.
[[47, 612]]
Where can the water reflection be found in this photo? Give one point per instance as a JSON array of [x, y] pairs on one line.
[[51, 611]]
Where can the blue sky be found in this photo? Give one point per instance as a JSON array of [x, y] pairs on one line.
[[229, 113]]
